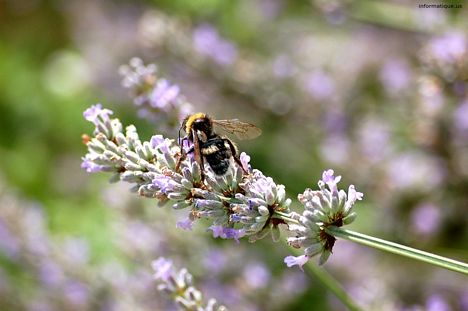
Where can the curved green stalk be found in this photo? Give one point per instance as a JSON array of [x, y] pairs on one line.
[[398, 249], [329, 282]]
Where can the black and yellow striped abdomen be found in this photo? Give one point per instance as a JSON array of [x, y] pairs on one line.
[[218, 152]]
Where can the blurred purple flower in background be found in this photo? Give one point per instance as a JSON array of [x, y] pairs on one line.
[[51, 274], [158, 100], [163, 268], [395, 76], [374, 139], [215, 260], [464, 300], [270, 9], [335, 149], [8, 242], [460, 118], [283, 67], [185, 224], [320, 85], [256, 275], [416, 170], [426, 218], [178, 285], [208, 42], [163, 94], [77, 293], [436, 302], [448, 48]]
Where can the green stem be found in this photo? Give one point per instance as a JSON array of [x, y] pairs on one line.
[[329, 282], [398, 249], [285, 217]]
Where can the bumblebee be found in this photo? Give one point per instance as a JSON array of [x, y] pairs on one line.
[[209, 146]]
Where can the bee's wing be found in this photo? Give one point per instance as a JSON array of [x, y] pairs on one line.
[[242, 130]]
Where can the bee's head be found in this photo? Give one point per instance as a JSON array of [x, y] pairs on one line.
[[198, 122]]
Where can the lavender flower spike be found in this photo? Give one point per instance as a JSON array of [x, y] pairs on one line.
[[323, 208], [238, 204], [157, 99], [179, 286]]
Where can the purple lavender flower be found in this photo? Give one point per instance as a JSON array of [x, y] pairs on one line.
[[258, 205], [245, 160], [90, 166], [163, 268], [208, 43], [299, 261], [179, 286], [330, 180], [185, 224], [157, 99], [227, 233], [323, 208], [95, 113], [239, 205]]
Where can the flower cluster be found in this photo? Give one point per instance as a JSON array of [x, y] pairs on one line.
[[238, 203], [323, 208], [179, 286], [157, 99]]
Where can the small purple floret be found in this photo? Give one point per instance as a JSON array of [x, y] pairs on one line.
[[293, 261], [185, 224], [158, 142], [245, 159], [162, 268], [95, 112], [227, 233], [90, 166], [329, 178], [164, 183]]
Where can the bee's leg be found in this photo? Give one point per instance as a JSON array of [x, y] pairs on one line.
[[235, 155], [183, 154]]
